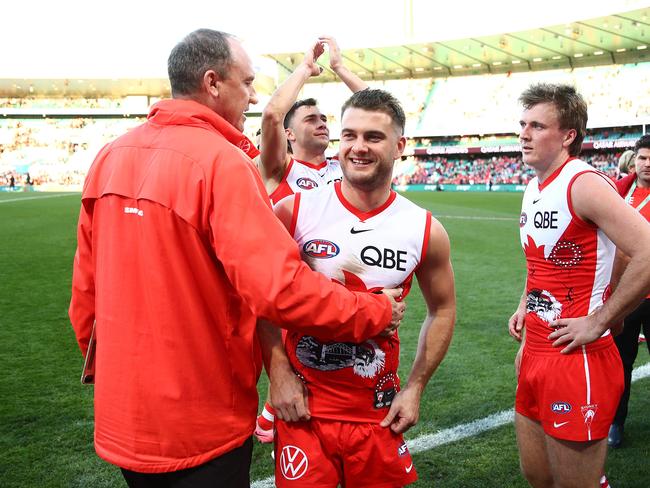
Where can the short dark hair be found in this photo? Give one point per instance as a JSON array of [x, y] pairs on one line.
[[571, 108], [198, 52], [642, 143], [307, 102], [377, 101], [289, 148]]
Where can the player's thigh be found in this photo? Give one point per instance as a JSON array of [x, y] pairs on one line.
[[374, 456], [304, 457], [576, 464], [531, 442]]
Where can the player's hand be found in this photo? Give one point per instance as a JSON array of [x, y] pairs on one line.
[[398, 307], [311, 56], [336, 60], [404, 411], [575, 332], [516, 323], [289, 397]]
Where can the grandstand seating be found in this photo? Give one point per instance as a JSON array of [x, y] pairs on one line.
[[474, 111]]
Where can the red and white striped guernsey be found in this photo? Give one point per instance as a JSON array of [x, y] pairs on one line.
[[303, 176], [363, 251], [569, 261]]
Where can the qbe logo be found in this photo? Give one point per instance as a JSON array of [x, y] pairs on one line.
[[306, 183], [560, 407], [293, 462], [321, 249]]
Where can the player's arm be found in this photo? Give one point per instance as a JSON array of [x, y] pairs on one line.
[[436, 280], [620, 263], [517, 319], [351, 80], [273, 147], [594, 200], [288, 394]]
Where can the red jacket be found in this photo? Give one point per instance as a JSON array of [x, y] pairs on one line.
[[178, 252], [624, 184]]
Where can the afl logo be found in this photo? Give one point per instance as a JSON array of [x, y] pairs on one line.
[[245, 145], [523, 218], [321, 249], [560, 407], [306, 183]]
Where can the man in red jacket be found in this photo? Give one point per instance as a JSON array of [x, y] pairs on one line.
[[635, 188], [178, 255]]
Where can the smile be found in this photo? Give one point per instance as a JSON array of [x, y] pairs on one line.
[[360, 161]]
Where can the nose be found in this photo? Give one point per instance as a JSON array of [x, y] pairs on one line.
[[252, 97], [359, 145], [524, 134]]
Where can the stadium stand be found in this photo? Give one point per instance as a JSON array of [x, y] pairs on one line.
[[462, 130]]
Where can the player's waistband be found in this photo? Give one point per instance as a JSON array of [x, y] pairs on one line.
[[537, 346]]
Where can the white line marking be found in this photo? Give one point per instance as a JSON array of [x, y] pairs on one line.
[[39, 198], [475, 217], [462, 431], [641, 372]]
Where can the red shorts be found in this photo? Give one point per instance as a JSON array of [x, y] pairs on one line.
[[574, 396], [326, 453]]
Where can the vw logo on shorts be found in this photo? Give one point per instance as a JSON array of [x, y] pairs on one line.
[[293, 462]]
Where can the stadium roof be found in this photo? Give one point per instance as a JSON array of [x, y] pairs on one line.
[[618, 38], [614, 39]]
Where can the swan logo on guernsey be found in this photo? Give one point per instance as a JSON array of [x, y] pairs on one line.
[[306, 183], [523, 218], [320, 249]]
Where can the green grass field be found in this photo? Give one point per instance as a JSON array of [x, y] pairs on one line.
[[46, 426]]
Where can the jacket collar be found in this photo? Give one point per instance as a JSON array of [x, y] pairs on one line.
[[191, 113]]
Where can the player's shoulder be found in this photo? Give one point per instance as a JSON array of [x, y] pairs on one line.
[[318, 195], [405, 204]]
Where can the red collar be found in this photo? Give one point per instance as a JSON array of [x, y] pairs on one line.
[[363, 216], [311, 165], [555, 174], [188, 112]]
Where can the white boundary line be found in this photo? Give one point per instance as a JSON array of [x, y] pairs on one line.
[[462, 431], [475, 217], [39, 198]]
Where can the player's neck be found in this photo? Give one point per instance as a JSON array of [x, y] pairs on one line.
[[365, 200], [642, 183], [312, 157], [544, 173]]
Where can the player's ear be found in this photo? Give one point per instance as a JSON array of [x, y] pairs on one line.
[[211, 83], [569, 137], [291, 137], [399, 149]]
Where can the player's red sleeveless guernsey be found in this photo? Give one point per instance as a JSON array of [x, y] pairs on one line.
[[569, 260], [363, 251], [303, 176]]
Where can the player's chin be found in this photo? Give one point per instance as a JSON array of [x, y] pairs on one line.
[[240, 123]]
